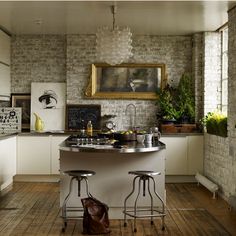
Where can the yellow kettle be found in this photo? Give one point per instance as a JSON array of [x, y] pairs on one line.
[[39, 125]]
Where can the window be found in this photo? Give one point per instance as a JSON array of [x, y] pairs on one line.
[[224, 70]]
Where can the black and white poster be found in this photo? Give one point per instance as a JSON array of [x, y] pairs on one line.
[[48, 102]]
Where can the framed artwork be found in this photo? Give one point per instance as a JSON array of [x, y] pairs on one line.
[[126, 81], [48, 102], [77, 116], [22, 100]]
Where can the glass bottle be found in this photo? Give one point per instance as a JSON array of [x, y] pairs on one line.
[[89, 128], [82, 131]]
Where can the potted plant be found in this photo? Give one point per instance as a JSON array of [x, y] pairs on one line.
[[177, 105], [167, 108], [185, 101], [215, 123]]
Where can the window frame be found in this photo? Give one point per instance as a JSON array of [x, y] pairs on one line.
[[224, 69]]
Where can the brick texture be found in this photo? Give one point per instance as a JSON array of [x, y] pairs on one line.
[[220, 153], [36, 58], [54, 58], [197, 72], [232, 98]]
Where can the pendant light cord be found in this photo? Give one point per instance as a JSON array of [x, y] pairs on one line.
[[113, 10]]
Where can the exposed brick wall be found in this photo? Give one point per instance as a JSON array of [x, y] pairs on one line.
[[4, 104], [220, 153], [174, 51], [232, 98], [217, 163], [53, 58], [197, 72], [36, 58]]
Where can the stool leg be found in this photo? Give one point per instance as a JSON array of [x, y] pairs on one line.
[[125, 223], [87, 187], [135, 205], [79, 186], [151, 200], [64, 204], [144, 186], [163, 204]]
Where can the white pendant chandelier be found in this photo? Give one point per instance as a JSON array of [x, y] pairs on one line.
[[113, 46]]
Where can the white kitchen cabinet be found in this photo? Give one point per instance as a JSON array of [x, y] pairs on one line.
[[55, 154], [195, 154], [7, 161], [33, 155], [5, 45], [5, 82], [184, 154], [176, 155]]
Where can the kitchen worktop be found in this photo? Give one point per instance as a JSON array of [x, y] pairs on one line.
[[4, 136], [62, 132], [128, 147]]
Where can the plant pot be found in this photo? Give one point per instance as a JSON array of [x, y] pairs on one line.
[[168, 122]]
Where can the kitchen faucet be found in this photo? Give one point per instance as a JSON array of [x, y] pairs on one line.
[[135, 110]]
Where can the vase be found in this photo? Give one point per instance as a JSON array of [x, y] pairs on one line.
[[39, 125]]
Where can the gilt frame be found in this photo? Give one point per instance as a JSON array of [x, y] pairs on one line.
[[126, 81]]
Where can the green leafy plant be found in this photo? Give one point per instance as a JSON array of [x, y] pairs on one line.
[[177, 103], [166, 103], [215, 123], [185, 98]]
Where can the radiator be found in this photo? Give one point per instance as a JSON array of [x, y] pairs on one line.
[[207, 183]]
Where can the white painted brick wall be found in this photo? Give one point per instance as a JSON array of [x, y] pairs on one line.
[[217, 162], [220, 153], [197, 72], [36, 58], [232, 97], [55, 58]]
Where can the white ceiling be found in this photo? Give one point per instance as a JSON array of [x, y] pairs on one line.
[[143, 17]]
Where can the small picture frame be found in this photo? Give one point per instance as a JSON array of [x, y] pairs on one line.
[[22, 100], [77, 116]]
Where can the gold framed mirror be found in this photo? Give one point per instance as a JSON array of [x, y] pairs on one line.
[[126, 81]]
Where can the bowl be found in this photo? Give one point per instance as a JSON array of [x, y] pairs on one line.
[[125, 137]]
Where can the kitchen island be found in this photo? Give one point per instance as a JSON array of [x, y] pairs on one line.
[[111, 184]]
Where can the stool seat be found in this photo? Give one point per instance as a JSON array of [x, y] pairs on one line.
[[80, 173], [143, 172]]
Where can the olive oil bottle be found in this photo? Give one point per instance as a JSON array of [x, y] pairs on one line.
[[89, 128]]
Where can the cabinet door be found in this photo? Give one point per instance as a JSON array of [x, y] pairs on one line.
[[33, 155], [195, 154], [7, 161], [176, 155], [5, 82], [55, 154], [5, 42]]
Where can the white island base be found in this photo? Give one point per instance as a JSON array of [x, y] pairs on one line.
[[111, 184]]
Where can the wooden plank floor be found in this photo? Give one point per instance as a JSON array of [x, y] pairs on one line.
[[33, 209]]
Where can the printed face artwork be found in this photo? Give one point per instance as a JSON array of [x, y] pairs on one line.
[[48, 99]]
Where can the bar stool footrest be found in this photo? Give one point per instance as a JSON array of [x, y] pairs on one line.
[[160, 214]]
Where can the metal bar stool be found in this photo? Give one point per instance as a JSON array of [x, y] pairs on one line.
[[78, 175], [143, 177]]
